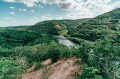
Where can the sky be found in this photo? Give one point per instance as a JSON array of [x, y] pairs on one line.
[[29, 12]]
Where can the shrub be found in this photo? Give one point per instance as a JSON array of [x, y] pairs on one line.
[[42, 52], [9, 69], [103, 55], [90, 73]]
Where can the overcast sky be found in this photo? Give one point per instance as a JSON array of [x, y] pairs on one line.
[[28, 12]]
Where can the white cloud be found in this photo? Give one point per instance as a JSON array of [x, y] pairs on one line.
[[40, 6], [32, 11], [77, 8], [29, 3], [107, 1], [22, 10], [116, 5], [46, 18], [9, 18], [12, 7], [68, 4], [12, 13], [32, 21], [79, 15], [36, 18]]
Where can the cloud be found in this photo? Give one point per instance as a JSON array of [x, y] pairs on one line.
[[40, 6], [22, 10], [79, 15], [116, 5], [12, 13], [9, 18], [67, 4], [12, 7], [29, 3], [46, 18], [76, 8], [32, 11], [107, 1], [36, 18]]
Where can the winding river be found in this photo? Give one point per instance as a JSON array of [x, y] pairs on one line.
[[63, 40]]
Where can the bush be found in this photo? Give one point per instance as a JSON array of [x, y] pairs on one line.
[[90, 73], [42, 52], [5, 52], [103, 55], [9, 69]]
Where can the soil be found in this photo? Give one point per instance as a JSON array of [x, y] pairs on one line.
[[63, 69]]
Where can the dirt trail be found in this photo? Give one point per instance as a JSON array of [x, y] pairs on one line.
[[63, 69]]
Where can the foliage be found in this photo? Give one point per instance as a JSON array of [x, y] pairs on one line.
[[102, 55], [10, 38], [44, 39], [43, 51], [90, 73], [70, 24], [5, 52], [9, 69], [53, 27], [100, 27]]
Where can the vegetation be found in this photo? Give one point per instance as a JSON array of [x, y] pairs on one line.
[[102, 56], [12, 63], [53, 27], [9, 68], [100, 27], [98, 46], [73, 23]]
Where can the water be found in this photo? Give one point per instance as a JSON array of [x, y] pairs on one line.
[[63, 40]]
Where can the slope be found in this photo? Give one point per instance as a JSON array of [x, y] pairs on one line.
[[103, 26], [73, 23], [55, 27]]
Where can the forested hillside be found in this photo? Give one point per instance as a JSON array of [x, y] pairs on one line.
[[104, 26], [73, 23], [55, 27]]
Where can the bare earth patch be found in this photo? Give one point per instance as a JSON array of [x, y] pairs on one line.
[[58, 26], [63, 69]]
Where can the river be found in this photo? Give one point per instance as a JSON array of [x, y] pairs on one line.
[[63, 40]]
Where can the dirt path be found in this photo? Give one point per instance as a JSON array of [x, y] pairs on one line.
[[63, 69]]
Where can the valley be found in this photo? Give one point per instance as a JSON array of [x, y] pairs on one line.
[[27, 47]]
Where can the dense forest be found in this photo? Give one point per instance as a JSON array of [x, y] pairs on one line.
[[97, 44]]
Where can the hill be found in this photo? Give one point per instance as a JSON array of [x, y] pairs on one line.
[[55, 27], [103, 26], [73, 23]]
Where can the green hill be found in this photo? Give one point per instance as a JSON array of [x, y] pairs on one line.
[[73, 23], [103, 26], [55, 27]]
